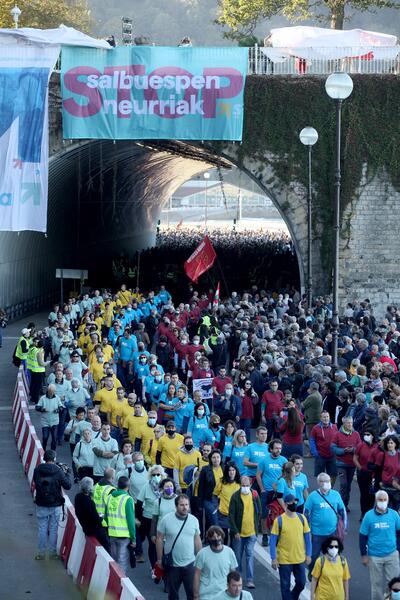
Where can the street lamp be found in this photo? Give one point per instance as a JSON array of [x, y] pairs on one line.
[[308, 137], [338, 86], [15, 13], [206, 177]]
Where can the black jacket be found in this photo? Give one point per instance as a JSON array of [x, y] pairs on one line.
[[87, 514], [206, 484], [49, 480]]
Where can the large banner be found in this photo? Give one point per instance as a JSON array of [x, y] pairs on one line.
[[24, 75], [148, 92]]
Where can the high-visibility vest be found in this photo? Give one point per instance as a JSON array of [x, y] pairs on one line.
[[116, 516], [100, 493], [32, 362], [18, 351]]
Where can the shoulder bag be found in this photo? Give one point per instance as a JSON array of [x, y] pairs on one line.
[[168, 559]]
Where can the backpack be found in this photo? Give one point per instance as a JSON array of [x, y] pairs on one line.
[[274, 511], [189, 474], [48, 490]]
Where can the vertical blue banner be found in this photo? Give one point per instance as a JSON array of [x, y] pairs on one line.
[[148, 92]]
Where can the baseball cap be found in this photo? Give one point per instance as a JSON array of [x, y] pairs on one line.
[[290, 498], [25, 331]]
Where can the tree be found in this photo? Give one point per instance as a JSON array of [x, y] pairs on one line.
[[242, 16], [45, 14]]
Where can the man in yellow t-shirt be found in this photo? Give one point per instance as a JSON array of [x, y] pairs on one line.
[[145, 437], [244, 518], [290, 548], [186, 456], [116, 409], [124, 296], [136, 421], [104, 397], [168, 447]]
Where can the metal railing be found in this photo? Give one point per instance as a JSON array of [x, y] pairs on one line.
[[319, 61], [31, 305]]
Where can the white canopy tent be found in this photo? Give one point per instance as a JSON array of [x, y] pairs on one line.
[[62, 36], [329, 44]]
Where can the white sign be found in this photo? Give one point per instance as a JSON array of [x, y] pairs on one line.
[[24, 151], [204, 386], [71, 274]]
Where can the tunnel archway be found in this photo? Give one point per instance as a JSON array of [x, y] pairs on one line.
[[104, 197]]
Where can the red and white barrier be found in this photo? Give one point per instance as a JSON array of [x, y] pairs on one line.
[[90, 566]]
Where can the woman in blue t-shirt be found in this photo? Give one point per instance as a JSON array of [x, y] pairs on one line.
[[198, 423], [239, 445]]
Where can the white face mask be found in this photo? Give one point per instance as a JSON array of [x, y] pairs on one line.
[[326, 485], [333, 552], [200, 413], [245, 489], [368, 438], [228, 392], [382, 504]]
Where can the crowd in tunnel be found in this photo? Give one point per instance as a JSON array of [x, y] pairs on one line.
[[256, 256]]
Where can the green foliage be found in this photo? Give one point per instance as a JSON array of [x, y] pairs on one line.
[[45, 14], [277, 108], [243, 15]]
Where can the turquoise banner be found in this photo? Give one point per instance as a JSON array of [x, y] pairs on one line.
[[149, 92]]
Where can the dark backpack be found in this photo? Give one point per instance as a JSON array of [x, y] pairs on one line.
[[48, 490]]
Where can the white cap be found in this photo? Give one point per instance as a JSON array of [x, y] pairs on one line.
[[25, 331]]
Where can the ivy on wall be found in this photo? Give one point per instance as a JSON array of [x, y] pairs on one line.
[[278, 107]]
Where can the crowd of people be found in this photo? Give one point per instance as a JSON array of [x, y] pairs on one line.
[[246, 256], [188, 424]]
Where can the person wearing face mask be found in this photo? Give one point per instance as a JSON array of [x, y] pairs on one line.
[[145, 506], [361, 458], [378, 544], [212, 565], [344, 445], [198, 423], [155, 390], [134, 422], [185, 408], [146, 437], [244, 520], [186, 457], [229, 405], [290, 548], [168, 446], [214, 434], [394, 589], [322, 509], [330, 575], [164, 505]]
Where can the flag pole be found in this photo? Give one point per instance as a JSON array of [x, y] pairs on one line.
[[222, 275]]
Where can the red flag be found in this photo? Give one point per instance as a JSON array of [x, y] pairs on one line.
[[216, 297], [201, 260], [180, 224]]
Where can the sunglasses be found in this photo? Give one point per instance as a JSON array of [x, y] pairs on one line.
[[333, 546]]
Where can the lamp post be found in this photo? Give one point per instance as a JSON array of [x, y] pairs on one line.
[[15, 13], [338, 86], [308, 137], [206, 177]]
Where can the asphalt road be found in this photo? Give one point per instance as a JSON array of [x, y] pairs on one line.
[[45, 581]]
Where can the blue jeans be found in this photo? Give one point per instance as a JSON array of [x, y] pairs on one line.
[[46, 431], [211, 512], [245, 546], [299, 573], [316, 541], [245, 424], [48, 519]]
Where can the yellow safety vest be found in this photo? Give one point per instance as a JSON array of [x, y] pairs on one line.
[[32, 360], [100, 493], [116, 516], [18, 351]]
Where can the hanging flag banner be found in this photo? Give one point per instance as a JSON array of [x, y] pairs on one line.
[[24, 154], [201, 260], [149, 92]]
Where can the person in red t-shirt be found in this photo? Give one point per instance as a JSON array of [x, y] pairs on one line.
[[361, 458], [192, 348], [389, 460], [249, 398], [271, 407], [220, 381], [344, 446]]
